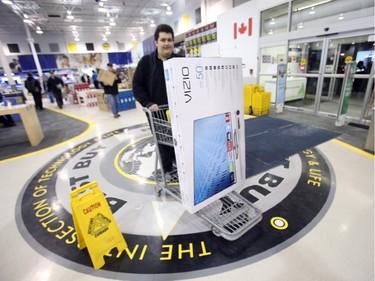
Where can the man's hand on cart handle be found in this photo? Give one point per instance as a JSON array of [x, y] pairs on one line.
[[154, 107]]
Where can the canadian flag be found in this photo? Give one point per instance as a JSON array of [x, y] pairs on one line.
[[242, 28]]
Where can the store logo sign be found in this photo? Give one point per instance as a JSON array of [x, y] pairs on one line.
[[243, 29]]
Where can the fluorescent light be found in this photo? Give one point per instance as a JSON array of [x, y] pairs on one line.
[[27, 21], [169, 11], [314, 5], [70, 17], [39, 31], [112, 23], [8, 2]]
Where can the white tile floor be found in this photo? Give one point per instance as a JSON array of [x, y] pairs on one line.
[[339, 248]]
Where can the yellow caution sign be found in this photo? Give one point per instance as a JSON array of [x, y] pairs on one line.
[[94, 223]]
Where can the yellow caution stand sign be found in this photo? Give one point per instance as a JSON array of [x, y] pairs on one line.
[[94, 223]]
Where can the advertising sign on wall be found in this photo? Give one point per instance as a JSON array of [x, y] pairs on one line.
[[346, 93], [280, 87]]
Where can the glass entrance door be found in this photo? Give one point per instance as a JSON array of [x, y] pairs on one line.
[[340, 51], [304, 64], [316, 68]]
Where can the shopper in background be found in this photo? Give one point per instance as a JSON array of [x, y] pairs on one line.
[[55, 85], [33, 86], [112, 92], [95, 79], [85, 79], [149, 83], [6, 120]]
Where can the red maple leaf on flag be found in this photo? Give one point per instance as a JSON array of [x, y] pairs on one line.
[[241, 30]]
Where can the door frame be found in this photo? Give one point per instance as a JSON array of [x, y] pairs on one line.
[[321, 73]]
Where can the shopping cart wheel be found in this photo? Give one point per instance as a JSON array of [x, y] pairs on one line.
[[157, 190], [216, 231]]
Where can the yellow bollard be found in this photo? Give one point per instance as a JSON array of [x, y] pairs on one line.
[[94, 223]]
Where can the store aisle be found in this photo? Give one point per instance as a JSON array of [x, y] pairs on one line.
[[318, 221]]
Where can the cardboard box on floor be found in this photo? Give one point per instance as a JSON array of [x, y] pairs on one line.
[[103, 102], [107, 77]]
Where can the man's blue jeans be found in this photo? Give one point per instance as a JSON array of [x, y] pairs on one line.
[[113, 101]]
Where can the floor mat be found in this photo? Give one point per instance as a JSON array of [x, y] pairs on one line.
[[269, 141], [14, 141]]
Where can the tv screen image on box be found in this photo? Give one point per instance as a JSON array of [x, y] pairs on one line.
[[214, 158]]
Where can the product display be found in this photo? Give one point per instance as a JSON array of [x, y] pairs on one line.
[[206, 102]]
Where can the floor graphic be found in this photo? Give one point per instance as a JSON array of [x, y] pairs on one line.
[[165, 241]]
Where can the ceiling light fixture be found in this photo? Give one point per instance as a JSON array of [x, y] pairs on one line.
[[38, 30], [169, 11], [112, 23], [312, 11], [27, 21], [341, 17], [25, 16], [152, 23], [8, 2], [101, 4], [69, 16]]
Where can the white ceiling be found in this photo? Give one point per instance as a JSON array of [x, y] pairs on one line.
[[50, 15]]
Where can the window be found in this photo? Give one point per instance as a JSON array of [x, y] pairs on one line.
[[274, 20], [198, 16], [54, 47], [90, 46], [121, 46], [310, 13], [13, 48], [37, 48]]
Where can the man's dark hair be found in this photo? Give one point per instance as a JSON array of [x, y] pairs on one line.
[[110, 64], [163, 28]]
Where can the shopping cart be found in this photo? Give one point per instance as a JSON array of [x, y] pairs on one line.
[[229, 217]]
